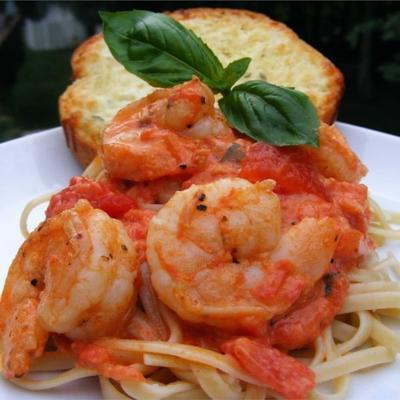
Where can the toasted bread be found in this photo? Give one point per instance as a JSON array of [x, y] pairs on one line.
[[102, 86]]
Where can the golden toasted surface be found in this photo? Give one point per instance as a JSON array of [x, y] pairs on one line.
[[102, 86]]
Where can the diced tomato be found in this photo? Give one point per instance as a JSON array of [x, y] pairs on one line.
[[136, 223], [285, 166], [212, 173], [280, 372], [352, 199], [304, 324], [347, 250], [96, 357], [98, 194], [295, 207]]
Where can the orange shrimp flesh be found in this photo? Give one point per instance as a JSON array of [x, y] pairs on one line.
[[168, 133], [174, 139], [74, 275]]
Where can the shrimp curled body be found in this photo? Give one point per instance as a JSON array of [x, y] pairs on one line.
[[334, 157], [170, 132], [218, 257], [73, 275]]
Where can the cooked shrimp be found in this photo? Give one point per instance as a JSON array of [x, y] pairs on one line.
[[308, 319], [73, 275], [302, 169], [170, 132], [347, 203], [334, 157], [218, 257]]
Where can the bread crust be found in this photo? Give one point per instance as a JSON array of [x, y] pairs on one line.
[[91, 101], [84, 52], [328, 110]]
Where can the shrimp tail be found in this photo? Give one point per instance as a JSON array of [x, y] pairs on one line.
[[18, 354], [302, 326], [74, 275]]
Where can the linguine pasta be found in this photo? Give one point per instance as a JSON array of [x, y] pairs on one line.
[[358, 338]]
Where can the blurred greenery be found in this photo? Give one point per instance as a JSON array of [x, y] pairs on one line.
[[391, 71], [388, 29], [31, 103], [35, 104], [361, 38]]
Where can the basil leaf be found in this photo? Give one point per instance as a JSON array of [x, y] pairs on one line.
[[234, 71], [160, 50], [272, 114], [164, 53]]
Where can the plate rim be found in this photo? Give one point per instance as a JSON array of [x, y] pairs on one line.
[[34, 135]]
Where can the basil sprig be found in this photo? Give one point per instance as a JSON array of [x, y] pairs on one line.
[[260, 109], [164, 53]]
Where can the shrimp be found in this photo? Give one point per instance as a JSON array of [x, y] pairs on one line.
[[334, 157], [308, 319], [302, 169], [347, 203], [168, 133], [218, 257], [74, 275]]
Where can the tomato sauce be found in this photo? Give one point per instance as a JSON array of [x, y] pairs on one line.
[[282, 373], [289, 168], [304, 191], [136, 223], [99, 195], [305, 321], [106, 197]]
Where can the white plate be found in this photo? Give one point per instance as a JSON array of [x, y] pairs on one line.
[[41, 163]]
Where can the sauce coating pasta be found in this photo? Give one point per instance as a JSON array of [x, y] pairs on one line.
[[198, 278]]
